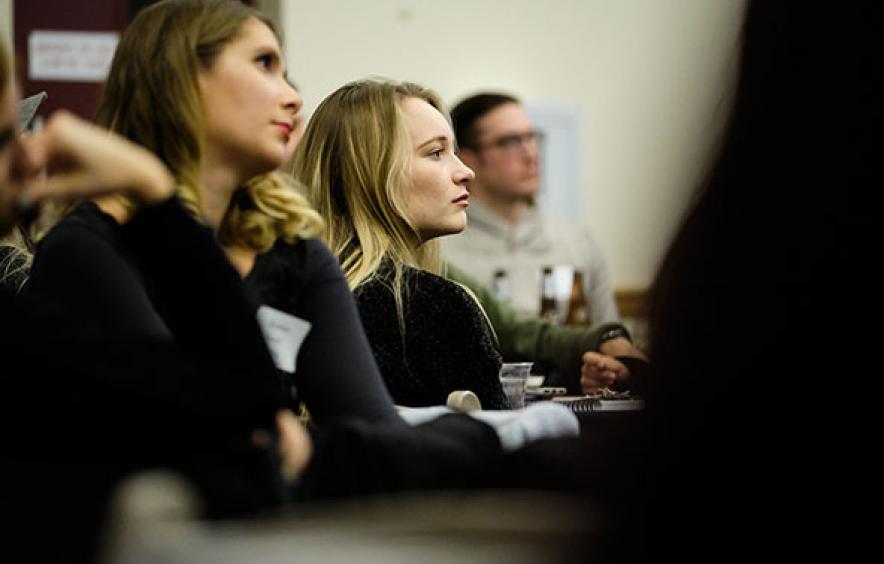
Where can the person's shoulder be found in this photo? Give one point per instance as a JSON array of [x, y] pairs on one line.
[[436, 292], [304, 256], [83, 230], [85, 247], [309, 249], [417, 286], [85, 219], [423, 279], [316, 251]]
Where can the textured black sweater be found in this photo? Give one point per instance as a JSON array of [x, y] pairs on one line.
[[447, 344]]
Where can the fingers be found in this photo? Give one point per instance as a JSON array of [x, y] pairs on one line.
[[31, 157], [600, 371], [603, 363], [594, 382], [295, 445]]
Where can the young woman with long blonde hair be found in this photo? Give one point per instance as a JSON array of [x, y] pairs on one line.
[[378, 162]]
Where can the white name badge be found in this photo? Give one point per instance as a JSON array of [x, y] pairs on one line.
[[284, 334]]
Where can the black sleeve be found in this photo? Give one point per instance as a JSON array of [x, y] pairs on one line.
[[182, 390], [204, 353], [336, 373], [82, 266], [354, 457], [447, 344], [200, 297]]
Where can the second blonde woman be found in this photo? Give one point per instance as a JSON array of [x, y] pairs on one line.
[[378, 162]]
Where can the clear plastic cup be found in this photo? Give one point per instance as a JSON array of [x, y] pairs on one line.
[[513, 379]]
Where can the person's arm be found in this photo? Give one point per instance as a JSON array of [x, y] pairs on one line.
[[83, 160], [86, 266], [200, 298], [527, 337], [337, 375], [100, 363], [194, 293], [196, 309]]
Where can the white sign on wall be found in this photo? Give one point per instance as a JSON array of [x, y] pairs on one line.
[[561, 192], [71, 56]]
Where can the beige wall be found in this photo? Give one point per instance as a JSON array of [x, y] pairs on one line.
[[648, 76], [6, 20]]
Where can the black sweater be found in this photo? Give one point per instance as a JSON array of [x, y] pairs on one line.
[[86, 402], [447, 344], [87, 263]]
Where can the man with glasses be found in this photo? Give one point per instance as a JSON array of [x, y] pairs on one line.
[[506, 232]]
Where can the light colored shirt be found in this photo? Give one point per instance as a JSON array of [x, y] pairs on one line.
[[490, 244]]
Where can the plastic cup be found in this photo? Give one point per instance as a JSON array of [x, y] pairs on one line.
[[513, 379]]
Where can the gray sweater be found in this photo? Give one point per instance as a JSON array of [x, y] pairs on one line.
[[522, 250]]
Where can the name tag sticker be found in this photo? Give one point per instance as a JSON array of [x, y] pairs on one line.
[[284, 334]]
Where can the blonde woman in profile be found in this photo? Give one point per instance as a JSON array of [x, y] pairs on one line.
[[378, 162], [202, 83]]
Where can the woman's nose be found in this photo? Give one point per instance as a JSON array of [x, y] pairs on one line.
[[464, 174], [293, 99]]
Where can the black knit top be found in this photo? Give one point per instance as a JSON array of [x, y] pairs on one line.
[[447, 344]]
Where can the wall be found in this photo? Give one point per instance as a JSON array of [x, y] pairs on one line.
[[6, 20], [79, 96], [649, 78]]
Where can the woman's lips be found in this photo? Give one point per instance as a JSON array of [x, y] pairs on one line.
[[462, 200], [285, 127]]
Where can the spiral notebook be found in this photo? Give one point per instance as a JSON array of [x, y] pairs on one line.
[[595, 404]]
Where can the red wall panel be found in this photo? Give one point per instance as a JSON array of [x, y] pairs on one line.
[[64, 15]]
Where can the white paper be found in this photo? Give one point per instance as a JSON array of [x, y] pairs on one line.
[[284, 334], [72, 56]]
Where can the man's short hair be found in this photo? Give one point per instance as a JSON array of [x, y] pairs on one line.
[[468, 111]]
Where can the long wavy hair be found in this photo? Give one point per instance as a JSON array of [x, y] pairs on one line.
[[355, 162], [152, 97]]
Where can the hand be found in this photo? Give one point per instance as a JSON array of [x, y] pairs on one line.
[[621, 346], [295, 445], [600, 371], [83, 160], [16, 170]]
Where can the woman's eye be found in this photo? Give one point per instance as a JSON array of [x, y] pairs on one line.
[[265, 61], [436, 154]]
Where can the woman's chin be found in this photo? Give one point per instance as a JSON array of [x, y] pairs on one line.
[[429, 234], [456, 226]]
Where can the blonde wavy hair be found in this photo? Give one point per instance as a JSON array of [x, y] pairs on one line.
[[152, 97], [355, 162], [15, 260]]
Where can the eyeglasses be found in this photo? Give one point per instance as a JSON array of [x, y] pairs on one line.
[[511, 144]]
